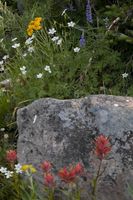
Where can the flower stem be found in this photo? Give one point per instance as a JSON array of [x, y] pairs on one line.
[[95, 181], [77, 192], [33, 192], [51, 194]]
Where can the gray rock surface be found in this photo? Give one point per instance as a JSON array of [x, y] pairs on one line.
[[63, 131]]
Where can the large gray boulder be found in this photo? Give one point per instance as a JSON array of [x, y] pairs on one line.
[[63, 131]]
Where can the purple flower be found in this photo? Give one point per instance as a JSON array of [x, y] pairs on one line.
[[82, 41], [88, 12]]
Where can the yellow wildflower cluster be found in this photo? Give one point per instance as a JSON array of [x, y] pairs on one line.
[[34, 25], [30, 168]]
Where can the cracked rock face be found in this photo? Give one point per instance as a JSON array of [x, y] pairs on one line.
[[63, 131]]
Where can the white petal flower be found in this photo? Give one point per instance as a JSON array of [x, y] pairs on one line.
[[76, 49], [125, 75], [71, 24], [3, 170], [39, 75], [30, 49], [14, 39], [2, 69], [8, 174], [2, 129], [24, 55], [18, 168], [51, 31], [54, 39], [5, 57], [47, 68], [23, 70], [59, 41], [16, 45], [29, 41], [1, 62]]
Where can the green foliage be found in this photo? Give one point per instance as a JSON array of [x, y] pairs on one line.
[[96, 68]]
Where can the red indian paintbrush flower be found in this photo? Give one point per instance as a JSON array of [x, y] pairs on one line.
[[49, 180], [11, 155], [67, 176], [78, 169], [46, 166], [102, 146]]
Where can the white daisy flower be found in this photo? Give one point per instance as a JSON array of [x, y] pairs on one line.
[[2, 129], [1, 62], [8, 174], [76, 49], [25, 54], [23, 70], [39, 75], [2, 69], [28, 41], [47, 68], [16, 45], [59, 41], [18, 168], [5, 57], [71, 24], [125, 75], [54, 39], [51, 31], [3, 170], [30, 49]]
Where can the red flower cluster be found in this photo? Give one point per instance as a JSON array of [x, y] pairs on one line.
[[49, 180], [66, 175], [46, 166], [102, 146], [48, 177], [11, 155], [78, 169], [69, 176]]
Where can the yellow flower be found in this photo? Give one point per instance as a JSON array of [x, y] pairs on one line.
[[37, 28], [29, 31], [34, 25], [39, 19], [28, 168], [37, 25], [31, 23]]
